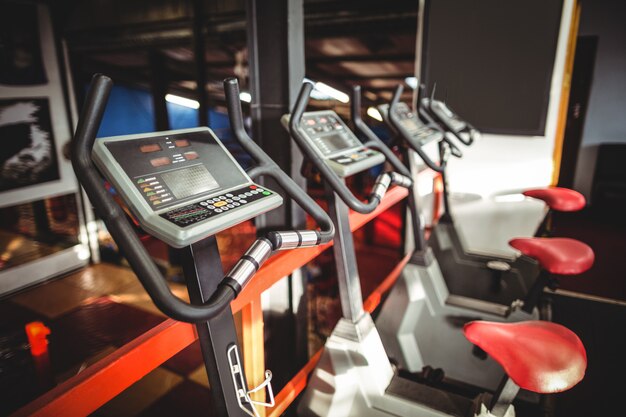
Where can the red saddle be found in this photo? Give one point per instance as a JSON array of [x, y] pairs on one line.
[[557, 255], [539, 356], [558, 198]]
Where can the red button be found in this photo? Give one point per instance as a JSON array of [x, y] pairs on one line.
[[253, 187]]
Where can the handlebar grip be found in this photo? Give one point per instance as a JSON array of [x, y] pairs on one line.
[[261, 250], [384, 181], [294, 239]]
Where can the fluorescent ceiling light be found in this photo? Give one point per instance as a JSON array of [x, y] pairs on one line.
[[245, 96], [374, 113], [332, 92], [411, 82], [182, 101]]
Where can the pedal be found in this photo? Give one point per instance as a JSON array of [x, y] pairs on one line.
[[515, 305], [247, 404]]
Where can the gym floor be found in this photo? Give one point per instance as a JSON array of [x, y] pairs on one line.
[[98, 309]]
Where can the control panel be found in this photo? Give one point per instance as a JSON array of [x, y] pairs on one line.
[[443, 112], [181, 185], [411, 124], [336, 143]]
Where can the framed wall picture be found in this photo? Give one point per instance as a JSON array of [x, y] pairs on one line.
[[43, 218], [34, 118], [27, 147]]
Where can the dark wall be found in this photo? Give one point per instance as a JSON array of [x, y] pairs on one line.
[[492, 60], [606, 113]]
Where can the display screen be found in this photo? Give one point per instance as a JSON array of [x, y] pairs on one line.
[[191, 155], [151, 147], [189, 181], [336, 142], [181, 143], [410, 125], [159, 162]]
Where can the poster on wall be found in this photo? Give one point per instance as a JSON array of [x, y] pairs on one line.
[[27, 147], [35, 125], [21, 61]]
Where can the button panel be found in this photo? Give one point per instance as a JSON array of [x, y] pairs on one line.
[[357, 156], [215, 205], [328, 133], [413, 125]]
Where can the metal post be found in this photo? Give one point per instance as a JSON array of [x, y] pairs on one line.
[[345, 259], [275, 33], [446, 217], [199, 59], [158, 86], [203, 271], [504, 396], [536, 291], [276, 61]]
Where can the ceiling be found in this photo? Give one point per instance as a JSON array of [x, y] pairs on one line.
[[369, 43]]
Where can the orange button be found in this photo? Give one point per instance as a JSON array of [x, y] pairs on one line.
[[220, 203]]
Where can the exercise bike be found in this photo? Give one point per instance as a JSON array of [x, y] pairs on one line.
[[354, 376], [183, 186], [424, 310]]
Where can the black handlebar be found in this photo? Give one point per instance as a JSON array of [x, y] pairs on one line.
[[382, 182], [117, 223], [425, 116], [415, 145], [372, 140], [266, 166], [361, 126], [469, 130], [134, 251]]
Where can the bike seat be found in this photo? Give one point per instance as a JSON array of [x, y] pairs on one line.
[[558, 255], [558, 198], [539, 356]]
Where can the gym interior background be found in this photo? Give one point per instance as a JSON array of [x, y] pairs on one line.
[[545, 82]]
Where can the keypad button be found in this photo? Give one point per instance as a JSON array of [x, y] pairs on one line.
[[236, 204], [266, 193], [218, 210], [248, 194], [229, 195], [225, 208], [254, 192], [260, 190], [204, 203], [229, 200], [210, 207], [243, 201], [236, 198], [230, 206]]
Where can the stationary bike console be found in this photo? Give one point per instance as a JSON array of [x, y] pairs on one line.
[[335, 143], [410, 124], [443, 112], [449, 120], [168, 180]]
